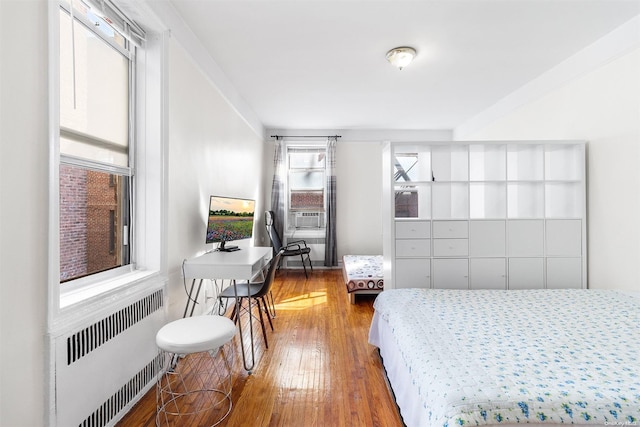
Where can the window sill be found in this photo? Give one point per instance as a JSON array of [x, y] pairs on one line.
[[106, 286]]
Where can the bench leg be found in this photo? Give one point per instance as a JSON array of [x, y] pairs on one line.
[[352, 297]]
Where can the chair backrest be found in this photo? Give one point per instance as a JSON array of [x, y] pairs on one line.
[[271, 229], [271, 274]]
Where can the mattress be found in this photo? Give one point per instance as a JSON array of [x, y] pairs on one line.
[[487, 357], [363, 272]]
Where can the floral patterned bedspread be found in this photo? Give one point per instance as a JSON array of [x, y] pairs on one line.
[[363, 272], [540, 356]]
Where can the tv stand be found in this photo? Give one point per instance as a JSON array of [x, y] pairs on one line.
[[227, 248]]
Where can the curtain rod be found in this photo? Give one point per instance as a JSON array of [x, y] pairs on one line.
[[305, 136]]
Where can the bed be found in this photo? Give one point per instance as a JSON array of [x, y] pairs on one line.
[[362, 275], [487, 357]]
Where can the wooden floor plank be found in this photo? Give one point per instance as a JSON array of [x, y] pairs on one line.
[[319, 369]]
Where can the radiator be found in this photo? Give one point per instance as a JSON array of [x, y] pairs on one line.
[[103, 368], [316, 255], [317, 251]]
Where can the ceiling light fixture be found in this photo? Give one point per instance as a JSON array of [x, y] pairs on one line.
[[401, 56]]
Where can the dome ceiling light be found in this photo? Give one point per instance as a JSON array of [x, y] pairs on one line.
[[401, 56]]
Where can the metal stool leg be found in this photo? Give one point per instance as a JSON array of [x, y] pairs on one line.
[[194, 382]]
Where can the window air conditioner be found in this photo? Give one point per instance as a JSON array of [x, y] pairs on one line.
[[308, 219]]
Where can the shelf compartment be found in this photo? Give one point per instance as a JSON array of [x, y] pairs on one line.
[[450, 163], [564, 162], [563, 200], [450, 200], [525, 200], [487, 162], [525, 162], [412, 166], [487, 200], [412, 201]]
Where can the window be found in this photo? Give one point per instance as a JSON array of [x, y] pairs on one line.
[[406, 193], [306, 186], [97, 63]]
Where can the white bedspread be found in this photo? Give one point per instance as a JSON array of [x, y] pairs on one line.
[[535, 356]]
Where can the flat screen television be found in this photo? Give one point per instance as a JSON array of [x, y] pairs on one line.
[[229, 219]]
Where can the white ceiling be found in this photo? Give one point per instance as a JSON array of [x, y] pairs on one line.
[[319, 64]]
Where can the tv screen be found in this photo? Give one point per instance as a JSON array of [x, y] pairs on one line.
[[229, 219]]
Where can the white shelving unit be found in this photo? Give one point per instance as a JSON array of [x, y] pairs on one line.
[[485, 215]]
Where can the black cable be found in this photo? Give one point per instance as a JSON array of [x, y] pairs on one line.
[[184, 283]]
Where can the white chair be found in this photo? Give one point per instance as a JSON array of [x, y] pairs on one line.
[[194, 383]]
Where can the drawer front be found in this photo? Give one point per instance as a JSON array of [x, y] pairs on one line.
[[450, 247], [488, 273], [413, 273], [526, 273], [450, 229], [450, 273], [564, 237], [525, 238], [564, 273], [413, 248], [413, 230]]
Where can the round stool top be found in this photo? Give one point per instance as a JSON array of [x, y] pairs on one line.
[[195, 334]]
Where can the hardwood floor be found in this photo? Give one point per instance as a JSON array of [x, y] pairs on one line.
[[319, 369]]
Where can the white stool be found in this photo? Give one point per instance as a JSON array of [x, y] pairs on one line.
[[194, 384]]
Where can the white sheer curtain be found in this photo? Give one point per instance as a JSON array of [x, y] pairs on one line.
[[330, 251]]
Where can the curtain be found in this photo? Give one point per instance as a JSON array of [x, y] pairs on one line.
[[277, 187], [330, 251]]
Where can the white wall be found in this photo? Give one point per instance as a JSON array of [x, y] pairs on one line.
[[359, 176], [359, 181], [359, 198], [603, 108], [212, 151], [23, 211]]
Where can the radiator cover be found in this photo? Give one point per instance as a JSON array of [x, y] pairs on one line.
[[102, 368]]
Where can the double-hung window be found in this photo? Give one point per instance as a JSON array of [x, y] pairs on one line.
[[96, 141], [306, 180]]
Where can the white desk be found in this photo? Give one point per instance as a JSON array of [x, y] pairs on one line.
[[244, 264], [238, 265]]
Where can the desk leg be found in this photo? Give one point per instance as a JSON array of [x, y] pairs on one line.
[[191, 300], [242, 346]]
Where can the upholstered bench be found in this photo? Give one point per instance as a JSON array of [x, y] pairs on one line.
[[362, 275]]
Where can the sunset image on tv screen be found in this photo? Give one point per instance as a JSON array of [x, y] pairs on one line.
[[229, 219]]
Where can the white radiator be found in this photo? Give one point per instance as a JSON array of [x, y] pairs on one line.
[[317, 251], [317, 245], [103, 368]]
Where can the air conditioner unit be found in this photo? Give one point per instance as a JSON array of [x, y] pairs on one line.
[[308, 220]]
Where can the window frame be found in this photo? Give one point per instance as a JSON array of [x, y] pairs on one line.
[[127, 51], [292, 148], [147, 255]]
